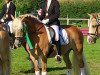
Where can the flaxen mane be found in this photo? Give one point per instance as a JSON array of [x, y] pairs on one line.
[[18, 21]]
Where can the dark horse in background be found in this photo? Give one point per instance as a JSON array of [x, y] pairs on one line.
[[41, 45], [94, 28], [4, 52]]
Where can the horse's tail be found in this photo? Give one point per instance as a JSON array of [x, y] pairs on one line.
[[76, 68]]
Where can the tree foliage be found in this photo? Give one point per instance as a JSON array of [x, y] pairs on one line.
[[79, 9], [75, 8], [26, 6]]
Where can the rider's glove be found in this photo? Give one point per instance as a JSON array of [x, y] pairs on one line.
[[45, 21]]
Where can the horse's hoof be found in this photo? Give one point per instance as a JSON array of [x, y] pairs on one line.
[[58, 58]]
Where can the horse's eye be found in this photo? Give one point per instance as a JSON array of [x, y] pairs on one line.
[[21, 29]]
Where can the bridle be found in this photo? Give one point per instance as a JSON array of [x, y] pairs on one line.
[[96, 34]]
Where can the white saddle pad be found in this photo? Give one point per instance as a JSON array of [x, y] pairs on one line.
[[63, 36]]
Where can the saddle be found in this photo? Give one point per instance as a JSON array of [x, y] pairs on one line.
[[64, 40]]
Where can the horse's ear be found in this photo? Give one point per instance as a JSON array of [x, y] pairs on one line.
[[89, 14], [99, 14], [22, 17]]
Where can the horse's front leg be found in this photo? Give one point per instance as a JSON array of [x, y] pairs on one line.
[[35, 62], [34, 59], [44, 65]]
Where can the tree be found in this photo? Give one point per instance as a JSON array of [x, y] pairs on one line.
[[28, 6], [25, 6]]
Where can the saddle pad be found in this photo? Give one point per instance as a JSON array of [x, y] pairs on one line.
[[63, 36]]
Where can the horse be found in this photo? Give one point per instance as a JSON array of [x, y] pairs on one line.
[[94, 28], [41, 46], [11, 35], [4, 52]]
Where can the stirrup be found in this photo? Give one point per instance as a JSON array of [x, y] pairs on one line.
[[58, 58]]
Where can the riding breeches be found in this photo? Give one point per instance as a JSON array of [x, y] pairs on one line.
[[56, 29], [9, 23]]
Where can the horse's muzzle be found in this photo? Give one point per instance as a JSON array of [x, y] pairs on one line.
[[17, 42], [91, 40]]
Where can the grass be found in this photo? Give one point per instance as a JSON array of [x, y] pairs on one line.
[[92, 53], [20, 65]]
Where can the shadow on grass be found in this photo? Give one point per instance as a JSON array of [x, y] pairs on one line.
[[55, 68], [48, 70]]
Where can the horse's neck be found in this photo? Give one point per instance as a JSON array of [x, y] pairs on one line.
[[34, 26]]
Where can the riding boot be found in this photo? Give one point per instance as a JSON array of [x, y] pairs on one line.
[[58, 46], [12, 39], [12, 35]]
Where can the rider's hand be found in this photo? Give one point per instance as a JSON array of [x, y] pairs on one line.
[[45, 21]]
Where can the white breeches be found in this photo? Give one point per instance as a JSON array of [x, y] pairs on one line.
[[9, 23], [56, 29]]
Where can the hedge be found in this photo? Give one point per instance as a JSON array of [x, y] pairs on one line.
[[79, 9], [76, 9]]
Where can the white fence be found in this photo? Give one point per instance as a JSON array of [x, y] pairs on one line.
[[69, 19], [64, 19]]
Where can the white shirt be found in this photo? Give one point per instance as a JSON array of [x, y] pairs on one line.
[[8, 4], [48, 4]]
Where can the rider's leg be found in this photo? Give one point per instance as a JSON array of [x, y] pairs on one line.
[[57, 42], [10, 28]]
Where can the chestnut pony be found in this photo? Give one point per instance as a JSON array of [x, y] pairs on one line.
[[4, 52], [41, 46], [94, 28]]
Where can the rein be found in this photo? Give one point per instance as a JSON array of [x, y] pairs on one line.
[[96, 31], [27, 36]]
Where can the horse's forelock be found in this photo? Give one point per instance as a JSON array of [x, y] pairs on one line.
[[94, 15], [17, 24]]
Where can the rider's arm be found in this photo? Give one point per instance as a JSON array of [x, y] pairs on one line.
[[56, 13], [12, 10], [42, 16]]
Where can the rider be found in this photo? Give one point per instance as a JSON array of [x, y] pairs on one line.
[[49, 15], [8, 14]]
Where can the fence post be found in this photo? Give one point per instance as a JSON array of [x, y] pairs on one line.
[[88, 22], [67, 20]]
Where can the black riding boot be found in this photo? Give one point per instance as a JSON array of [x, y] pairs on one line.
[[12, 40], [58, 56]]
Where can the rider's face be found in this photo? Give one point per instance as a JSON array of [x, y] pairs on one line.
[[6, 1]]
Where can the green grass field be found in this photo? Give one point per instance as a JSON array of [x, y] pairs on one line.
[[20, 65]]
